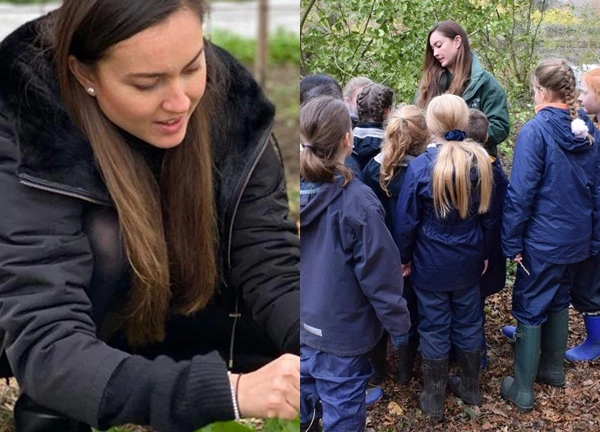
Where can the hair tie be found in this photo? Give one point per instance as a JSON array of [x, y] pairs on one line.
[[306, 145], [579, 128], [455, 135]]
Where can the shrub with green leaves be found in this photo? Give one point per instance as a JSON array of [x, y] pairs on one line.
[[385, 40], [284, 46]]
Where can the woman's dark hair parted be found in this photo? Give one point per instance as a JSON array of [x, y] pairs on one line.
[[186, 275], [432, 69]]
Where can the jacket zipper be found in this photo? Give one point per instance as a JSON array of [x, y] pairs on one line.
[[35, 183], [262, 147], [235, 315]]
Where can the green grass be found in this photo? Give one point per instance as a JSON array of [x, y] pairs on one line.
[[284, 46]]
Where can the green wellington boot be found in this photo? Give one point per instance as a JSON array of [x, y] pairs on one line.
[[519, 390], [555, 335]]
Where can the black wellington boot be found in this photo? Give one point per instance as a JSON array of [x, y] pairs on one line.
[[377, 357], [31, 417], [466, 385], [434, 387], [406, 360]]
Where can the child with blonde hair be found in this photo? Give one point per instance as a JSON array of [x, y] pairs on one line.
[[406, 136], [550, 224], [348, 291], [443, 227]]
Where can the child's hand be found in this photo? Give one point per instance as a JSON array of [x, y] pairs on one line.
[[406, 270], [518, 258], [485, 266]]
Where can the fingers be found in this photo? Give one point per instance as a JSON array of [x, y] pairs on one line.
[[284, 398]]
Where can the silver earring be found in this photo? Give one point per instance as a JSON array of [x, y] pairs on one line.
[[91, 91]]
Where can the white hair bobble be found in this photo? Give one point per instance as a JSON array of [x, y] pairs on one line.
[[579, 128]]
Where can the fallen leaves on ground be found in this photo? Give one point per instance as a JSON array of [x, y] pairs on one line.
[[574, 408]]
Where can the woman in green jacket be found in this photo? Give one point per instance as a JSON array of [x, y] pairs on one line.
[[451, 67]]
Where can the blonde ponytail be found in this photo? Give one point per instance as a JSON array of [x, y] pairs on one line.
[[452, 188]]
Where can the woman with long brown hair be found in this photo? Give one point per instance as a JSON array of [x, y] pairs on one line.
[[450, 67], [146, 251]]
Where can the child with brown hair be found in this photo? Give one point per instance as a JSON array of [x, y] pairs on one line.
[[494, 279], [348, 291], [374, 103]]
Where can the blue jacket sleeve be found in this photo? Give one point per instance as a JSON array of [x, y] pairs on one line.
[[377, 269], [408, 216], [526, 176]]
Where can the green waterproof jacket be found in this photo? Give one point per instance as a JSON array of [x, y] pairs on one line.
[[486, 94]]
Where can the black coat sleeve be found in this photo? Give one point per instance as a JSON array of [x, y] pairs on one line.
[[265, 254], [50, 338]]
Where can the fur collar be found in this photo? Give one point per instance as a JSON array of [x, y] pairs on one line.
[[52, 149]]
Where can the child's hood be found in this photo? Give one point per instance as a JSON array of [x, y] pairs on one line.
[[557, 122], [315, 200]]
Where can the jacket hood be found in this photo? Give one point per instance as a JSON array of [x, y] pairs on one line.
[[315, 198], [557, 123], [51, 147]]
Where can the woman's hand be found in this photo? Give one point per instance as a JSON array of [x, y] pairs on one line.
[[406, 270], [271, 391]]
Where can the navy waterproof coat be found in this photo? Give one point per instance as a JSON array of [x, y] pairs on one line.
[[448, 254], [494, 279], [368, 137], [371, 175], [350, 274], [553, 199]]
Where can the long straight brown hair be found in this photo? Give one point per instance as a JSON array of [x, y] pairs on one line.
[[432, 69], [168, 229]]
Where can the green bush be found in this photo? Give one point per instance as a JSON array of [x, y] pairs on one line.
[[284, 46], [386, 41]]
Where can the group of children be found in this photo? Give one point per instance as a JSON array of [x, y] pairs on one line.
[[415, 247]]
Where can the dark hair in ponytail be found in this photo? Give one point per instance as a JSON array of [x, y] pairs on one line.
[[324, 122]]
